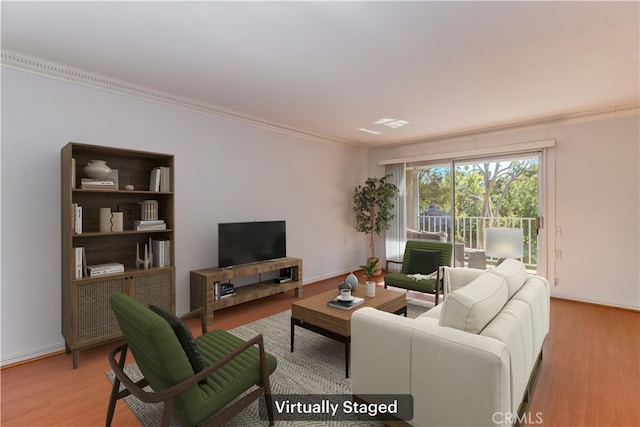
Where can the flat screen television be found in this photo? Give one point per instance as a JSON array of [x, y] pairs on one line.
[[247, 242]]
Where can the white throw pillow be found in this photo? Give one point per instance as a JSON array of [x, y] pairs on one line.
[[471, 307], [513, 272]]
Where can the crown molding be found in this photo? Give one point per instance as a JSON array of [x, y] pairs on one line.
[[59, 71], [602, 113]]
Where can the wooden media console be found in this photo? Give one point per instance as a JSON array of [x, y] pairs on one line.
[[204, 281]]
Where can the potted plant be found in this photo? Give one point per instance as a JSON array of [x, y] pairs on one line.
[[373, 205], [371, 269]]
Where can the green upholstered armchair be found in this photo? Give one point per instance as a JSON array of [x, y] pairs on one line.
[[409, 266], [230, 366]]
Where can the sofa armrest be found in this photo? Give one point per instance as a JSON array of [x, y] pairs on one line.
[[458, 378], [380, 352], [455, 278]]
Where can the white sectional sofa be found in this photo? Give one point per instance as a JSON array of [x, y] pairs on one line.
[[470, 361]]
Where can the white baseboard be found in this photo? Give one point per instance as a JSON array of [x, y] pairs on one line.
[[31, 354], [607, 303], [307, 281]]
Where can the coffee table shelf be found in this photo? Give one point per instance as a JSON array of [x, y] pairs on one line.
[[315, 315]]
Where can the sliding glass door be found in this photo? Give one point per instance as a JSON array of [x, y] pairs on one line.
[[458, 200]]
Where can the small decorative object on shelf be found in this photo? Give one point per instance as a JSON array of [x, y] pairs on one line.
[[352, 280], [97, 169], [110, 221], [117, 219], [105, 220], [344, 285], [370, 270], [139, 261], [149, 210]]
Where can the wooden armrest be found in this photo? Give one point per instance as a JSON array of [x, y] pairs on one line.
[[198, 312], [136, 388], [392, 261]]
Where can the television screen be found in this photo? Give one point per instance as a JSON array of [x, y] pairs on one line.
[[247, 242]]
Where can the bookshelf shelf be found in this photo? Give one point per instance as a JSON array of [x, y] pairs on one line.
[[120, 233], [87, 319]]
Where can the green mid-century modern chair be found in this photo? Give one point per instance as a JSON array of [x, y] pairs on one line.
[[422, 257], [229, 366]]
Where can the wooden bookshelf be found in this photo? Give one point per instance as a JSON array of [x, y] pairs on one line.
[[203, 282], [87, 319]]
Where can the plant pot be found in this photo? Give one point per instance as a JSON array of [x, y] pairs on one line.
[[378, 265], [370, 288]]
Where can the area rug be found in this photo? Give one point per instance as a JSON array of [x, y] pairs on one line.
[[316, 367]]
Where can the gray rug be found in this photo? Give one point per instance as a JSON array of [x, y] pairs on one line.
[[316, 367]]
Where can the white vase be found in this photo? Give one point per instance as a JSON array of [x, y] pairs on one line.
[[370, 288], [105, 220], [352, 280], [117, 219], [97, 169]]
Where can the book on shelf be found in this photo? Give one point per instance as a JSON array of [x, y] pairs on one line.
[[142, 227], [160, 179], [161, 250], [98, 184], [73, 173], [108, 268], [223, 290], [227, 295], [165, 179], [154, 180], [148, 222], [345, 305], [79, 262], [77, 218]]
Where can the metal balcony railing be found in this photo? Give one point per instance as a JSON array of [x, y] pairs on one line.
[[470, 231]]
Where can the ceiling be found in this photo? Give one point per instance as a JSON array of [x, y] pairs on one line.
[[331, 68]]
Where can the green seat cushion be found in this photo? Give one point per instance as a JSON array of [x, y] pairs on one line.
[[423, 261], [225, 384], [401, 280]]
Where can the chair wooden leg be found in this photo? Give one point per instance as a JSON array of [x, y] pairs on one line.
[[112, 401], [115, 390], [166, 413], [266, 384]]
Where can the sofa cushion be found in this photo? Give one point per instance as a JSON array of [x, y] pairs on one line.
[[473, 306], [423, 261], [514, 273], [183, 333]]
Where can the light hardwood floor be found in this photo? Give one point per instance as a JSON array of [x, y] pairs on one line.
[[590, 374]]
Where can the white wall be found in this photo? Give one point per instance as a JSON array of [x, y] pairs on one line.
[[593, 201], [225, 171], [229, 171]]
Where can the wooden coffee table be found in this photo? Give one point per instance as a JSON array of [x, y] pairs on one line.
[[314, 314]]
